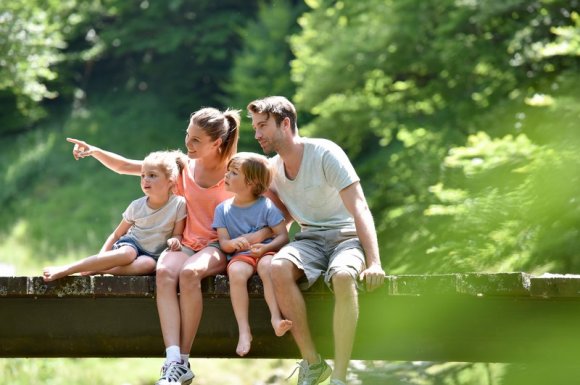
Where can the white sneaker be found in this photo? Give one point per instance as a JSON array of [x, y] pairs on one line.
[[176, 373]]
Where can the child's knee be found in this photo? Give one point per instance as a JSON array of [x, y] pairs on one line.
[[127, 255], [148, 264], [240, 271], [264, 265]]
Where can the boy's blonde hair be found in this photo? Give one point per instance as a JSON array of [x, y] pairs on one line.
[[167, 162], [256, 170]]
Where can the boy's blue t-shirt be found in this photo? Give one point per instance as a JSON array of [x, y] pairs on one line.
[[244, 220]]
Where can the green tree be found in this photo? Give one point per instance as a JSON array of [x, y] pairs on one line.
[[30, 45], [429, 75], [181, 50], [262, 67]]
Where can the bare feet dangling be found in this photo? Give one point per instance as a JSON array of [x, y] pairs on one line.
[[244, 344], [281, 326]]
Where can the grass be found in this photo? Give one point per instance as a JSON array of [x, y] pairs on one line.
[[139, 371]]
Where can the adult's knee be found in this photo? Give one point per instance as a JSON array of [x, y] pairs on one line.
[[343, 284], [189, 279], [166, 276]]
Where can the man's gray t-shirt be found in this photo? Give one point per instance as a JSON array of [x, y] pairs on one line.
[[313, 197]]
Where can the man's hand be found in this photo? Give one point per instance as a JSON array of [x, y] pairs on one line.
[[373, 276]]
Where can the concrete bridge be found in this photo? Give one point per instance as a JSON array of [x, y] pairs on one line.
[[509, 317]]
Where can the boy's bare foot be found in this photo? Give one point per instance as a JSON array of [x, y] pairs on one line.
[[52, 273], [244, 344], [281, 326]]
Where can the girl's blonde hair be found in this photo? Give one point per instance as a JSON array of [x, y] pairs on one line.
[[167, 161], [217, 124], [256, 170]]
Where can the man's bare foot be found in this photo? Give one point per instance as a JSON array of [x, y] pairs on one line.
[[52, 273], [244, 344], [281, 326]]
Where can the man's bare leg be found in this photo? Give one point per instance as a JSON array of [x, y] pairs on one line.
[[344, 322], [291, 302]]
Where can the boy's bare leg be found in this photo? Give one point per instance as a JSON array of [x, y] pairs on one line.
[[284, 276], [279, 324], [239, 272]]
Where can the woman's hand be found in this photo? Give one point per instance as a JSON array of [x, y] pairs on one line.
[[81, 149]]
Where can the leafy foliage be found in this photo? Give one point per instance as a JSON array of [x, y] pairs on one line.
[[460, 116], [262, 67], [429, 77], [179, 49], [30, 43]]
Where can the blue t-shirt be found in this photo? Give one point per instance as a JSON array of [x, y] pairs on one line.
[[244, 220]]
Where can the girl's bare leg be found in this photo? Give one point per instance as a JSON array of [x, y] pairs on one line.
[[239, 272], [102, 261], [168, 268], [206, 262], [280, 325], [142, 265]]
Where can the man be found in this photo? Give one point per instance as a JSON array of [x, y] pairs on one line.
[[318, 185]]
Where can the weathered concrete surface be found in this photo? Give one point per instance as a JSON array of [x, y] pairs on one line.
[[507, 317]]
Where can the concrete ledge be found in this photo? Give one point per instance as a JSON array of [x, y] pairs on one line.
[[508, 317], [472, 284]]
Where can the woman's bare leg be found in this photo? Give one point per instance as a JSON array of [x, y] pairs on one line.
[[168, 268], [206, 262]]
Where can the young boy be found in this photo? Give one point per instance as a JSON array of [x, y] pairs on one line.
[[149, 225], [248, 177]]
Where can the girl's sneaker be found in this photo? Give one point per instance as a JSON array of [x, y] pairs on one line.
[[176, 373]]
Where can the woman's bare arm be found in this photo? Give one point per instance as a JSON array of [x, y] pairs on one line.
[[112, 161]]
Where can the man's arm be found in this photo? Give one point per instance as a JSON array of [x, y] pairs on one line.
[[356, 203], [273, 196]]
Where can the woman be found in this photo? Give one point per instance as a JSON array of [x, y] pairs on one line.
[[211, 141]]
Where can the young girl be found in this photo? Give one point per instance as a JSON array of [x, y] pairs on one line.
[[149, 225], [248, 177]]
